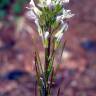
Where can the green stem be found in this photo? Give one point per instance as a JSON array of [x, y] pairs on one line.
[[47, 60]]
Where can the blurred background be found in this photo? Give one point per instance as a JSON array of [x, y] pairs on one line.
[[77, 70]]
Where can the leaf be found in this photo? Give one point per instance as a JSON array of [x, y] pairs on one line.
[[37, 68], [51, 78], [42, 20], [37, 56], [57, 9], [54, 25], [50, 68], [61, 53], [39, 65]]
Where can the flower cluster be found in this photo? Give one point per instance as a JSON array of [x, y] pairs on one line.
[[50, 14]]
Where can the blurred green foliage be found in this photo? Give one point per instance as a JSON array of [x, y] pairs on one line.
[[12, 7]]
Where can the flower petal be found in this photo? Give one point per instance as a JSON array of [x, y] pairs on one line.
[[32, 3], [65, 1], [48, 2], [46, 35], [67, 14]]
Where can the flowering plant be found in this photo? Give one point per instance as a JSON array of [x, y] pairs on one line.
[[50, 19]]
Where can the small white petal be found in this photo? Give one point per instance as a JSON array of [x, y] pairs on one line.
[[67, 14], [58, 18], [46, 35], [65, 1], [48, 2], [32, 3]]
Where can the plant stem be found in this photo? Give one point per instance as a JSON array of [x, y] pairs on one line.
[[47, 60], [47, 54], [47, 51]]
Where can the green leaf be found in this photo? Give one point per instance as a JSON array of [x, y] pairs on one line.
[[49, 70], [54, 25], [42, 20], [57, 9]]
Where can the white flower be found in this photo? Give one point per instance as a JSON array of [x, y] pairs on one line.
[[48, 2], [34, 8], [64, 1], [35, 13], [55, 2], [65, 15], [44, 3], [46, 34]]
